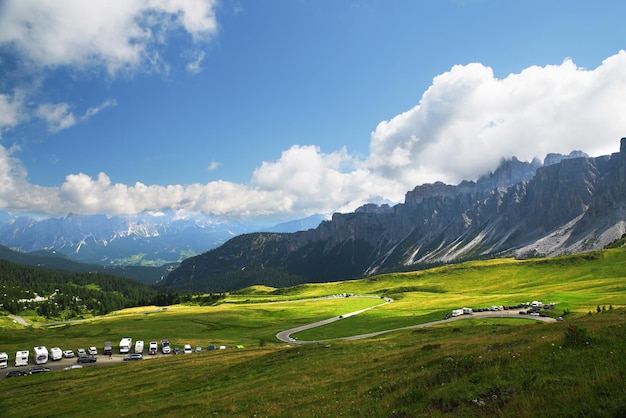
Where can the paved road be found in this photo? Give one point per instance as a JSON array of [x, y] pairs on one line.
[[22, 321], [286, 335], [19, 320]]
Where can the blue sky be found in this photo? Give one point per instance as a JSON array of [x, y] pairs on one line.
[[284, 108]]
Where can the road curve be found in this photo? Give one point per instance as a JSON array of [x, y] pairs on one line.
[[286, 335], [19, 320]]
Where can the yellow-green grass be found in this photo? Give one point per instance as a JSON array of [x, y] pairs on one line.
[[474, 367], [223, 324], [578, 283]]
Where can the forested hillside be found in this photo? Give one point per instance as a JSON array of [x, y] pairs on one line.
[[56, 261], [63, 295]]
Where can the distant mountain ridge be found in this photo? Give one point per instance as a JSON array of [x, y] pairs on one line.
[[51, 260], [145, 239], [568, 204]]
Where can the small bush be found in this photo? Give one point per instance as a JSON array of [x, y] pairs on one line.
[[576, 336], [430, 347]]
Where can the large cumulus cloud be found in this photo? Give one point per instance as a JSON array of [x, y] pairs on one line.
[[468, 120]]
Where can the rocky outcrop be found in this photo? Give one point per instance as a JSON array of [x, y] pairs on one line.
[[568, 204]]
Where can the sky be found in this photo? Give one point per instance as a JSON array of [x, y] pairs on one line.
[[280, 109]]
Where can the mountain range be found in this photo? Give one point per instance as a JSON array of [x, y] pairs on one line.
[[565, 204], [146, 239]]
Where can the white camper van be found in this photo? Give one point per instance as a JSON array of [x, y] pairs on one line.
[[4, 360], [56, 354], [41, 355], [457, 312], [139, 346], [165, 346], [21, 358], [125, 344]]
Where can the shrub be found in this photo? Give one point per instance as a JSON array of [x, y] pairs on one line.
[[430, 347], [576, 336]]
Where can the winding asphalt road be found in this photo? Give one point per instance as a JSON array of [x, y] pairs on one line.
[[19, 320], [286, 335]]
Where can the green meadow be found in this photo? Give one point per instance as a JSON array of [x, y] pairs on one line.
[[471, 367]]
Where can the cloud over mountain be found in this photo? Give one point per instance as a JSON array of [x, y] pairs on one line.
[[468, 119]]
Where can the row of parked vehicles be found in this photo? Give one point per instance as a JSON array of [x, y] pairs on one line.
[[533, 309], [126, 347], [42, 355], [131, 352]]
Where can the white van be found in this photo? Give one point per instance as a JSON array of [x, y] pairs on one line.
[[4, 360], [187, 349], [56, 354], [41, 355], [21, 358], [139, 347], [125, 344]]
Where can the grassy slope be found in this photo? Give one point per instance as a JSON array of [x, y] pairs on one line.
[[466, 368]]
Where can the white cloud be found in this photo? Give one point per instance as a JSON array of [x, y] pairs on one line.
[[11, 110], [114, 34], [92, 111], [17, 194], [59, 117], [468, 120], [83, 194], [196, 65], [196, 17], [213, 165], [464, 124]]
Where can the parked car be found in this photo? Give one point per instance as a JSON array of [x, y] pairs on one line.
[[38, 369], [176, 350], [198, 349], [133, 356], [93, 351], [81, 352], [16, 373], [187, 349], [86, 359], [68, 354], [153, 348]]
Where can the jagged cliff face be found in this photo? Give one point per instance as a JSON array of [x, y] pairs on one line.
[[568, 204]]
